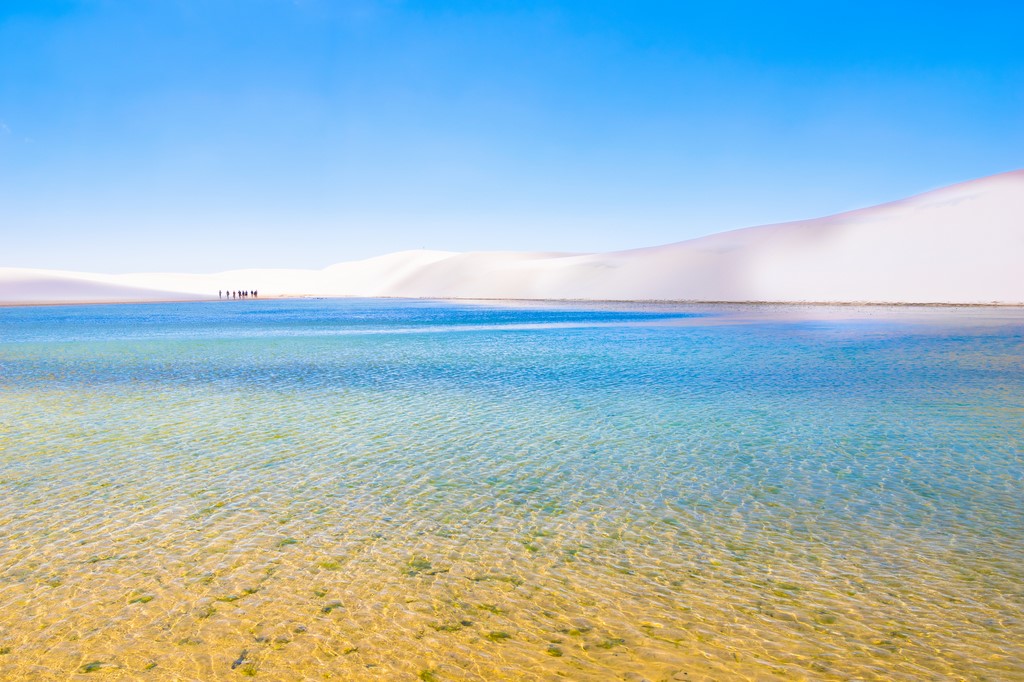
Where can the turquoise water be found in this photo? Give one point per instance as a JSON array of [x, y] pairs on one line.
[[365, 489]]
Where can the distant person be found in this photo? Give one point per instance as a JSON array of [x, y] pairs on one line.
[[220, 293]]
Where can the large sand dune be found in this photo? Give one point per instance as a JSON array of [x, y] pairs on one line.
[[25, 285], [960, 244]]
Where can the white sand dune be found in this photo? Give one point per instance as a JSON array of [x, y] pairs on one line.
[[960, 244], [25, 285]]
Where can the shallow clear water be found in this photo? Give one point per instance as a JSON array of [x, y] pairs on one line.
[[420, 490]]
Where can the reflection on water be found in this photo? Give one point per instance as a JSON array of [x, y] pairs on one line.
[[410, 490]]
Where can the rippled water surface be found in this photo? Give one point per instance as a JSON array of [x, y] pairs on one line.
[[428, 491]]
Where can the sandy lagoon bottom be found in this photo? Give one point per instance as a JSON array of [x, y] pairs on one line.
[[414, 490]]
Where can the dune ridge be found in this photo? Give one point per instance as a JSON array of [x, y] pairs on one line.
[[962, 244]]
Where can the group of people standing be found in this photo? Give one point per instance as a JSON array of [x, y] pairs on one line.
[[237, 294]]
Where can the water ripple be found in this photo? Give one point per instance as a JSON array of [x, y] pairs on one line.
[[563, 493]]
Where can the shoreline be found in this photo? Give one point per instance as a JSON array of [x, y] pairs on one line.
[[578, 301]]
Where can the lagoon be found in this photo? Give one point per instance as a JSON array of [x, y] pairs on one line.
[[394, 489]]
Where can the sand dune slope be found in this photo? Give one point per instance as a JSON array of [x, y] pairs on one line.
[[25, 285], [960, 244]]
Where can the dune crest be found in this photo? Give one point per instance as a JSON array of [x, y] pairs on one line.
[[959, 244]]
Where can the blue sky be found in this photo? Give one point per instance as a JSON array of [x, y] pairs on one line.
[[199, 135]]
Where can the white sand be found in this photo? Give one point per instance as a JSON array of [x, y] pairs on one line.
[[25, 285], [960, 244]]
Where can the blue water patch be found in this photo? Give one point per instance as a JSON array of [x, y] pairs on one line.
[[649, 489]]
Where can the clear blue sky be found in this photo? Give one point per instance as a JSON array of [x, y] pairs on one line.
[[198, 135]]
